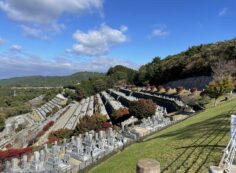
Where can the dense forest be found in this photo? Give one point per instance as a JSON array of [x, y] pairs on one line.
[[49, 81], [196, 61]]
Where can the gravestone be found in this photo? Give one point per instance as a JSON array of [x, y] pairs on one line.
[[14, 166], [24, 164]]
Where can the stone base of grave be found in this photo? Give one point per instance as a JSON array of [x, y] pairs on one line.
[[80, 157], [148, 166], [215, 169], [97, 152], [141, 131], [233, 168]]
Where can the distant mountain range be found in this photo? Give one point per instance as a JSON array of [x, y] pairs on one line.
[[48, 81]]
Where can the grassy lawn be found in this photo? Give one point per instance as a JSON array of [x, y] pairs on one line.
[[190, 146]]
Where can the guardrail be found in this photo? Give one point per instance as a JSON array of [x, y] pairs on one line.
[[228, 158]]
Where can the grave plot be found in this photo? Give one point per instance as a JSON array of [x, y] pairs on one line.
[[124, 99], [72, 155], [79, 112], [176, 99], [171, 104], [90, 110], [51, 107], [110, 103], [74, 118], [147, 125], [87, 107], [101, 107]]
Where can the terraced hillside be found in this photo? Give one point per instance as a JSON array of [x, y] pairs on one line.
[[190, 146]]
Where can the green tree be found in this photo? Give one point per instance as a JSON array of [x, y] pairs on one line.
[[120, 72], [99, 85], [220, 87], [142, 108], [70, 93]]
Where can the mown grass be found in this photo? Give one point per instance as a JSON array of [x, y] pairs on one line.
[[190, 146]]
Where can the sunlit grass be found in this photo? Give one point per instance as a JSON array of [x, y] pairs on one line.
[[190, 146]]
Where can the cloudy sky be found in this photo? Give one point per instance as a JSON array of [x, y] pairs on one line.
[[59, 37]]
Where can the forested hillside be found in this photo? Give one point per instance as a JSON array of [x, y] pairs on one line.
[[196, 61], [51, 81]]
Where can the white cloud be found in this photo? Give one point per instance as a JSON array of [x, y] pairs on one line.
[[45, 11], [223, 12], [98, 42], [103, 63], [123, 28], [2, 41], [33, 32], [16, 47], [25, 64], [41, 14], [159, 31]]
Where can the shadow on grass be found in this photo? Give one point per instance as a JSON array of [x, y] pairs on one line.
[[197, 130], [209, 131]]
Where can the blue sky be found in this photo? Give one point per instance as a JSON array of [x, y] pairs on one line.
[[59, 37]]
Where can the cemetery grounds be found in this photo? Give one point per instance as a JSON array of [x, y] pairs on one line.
[[187, 147]]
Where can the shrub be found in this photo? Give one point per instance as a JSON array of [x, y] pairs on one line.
[[153, 88], [142, 108], [160, 88], [61, 134], [88, 123], [48, 125], [52, 140], [100, 118], [13, 152], [168, 89], [179, 89], [45, 128], [40, 133], [48, 114], [120, 113], [218, 87], [104, 126], [193, 90], [55, 109], [203, 93], [20, 127]]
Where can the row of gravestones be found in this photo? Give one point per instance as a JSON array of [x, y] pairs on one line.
[[87, 149], [111, 101], [152, 124], [173, 99], [142, 92]]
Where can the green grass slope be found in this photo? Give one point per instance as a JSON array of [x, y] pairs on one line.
[[190, 146]]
